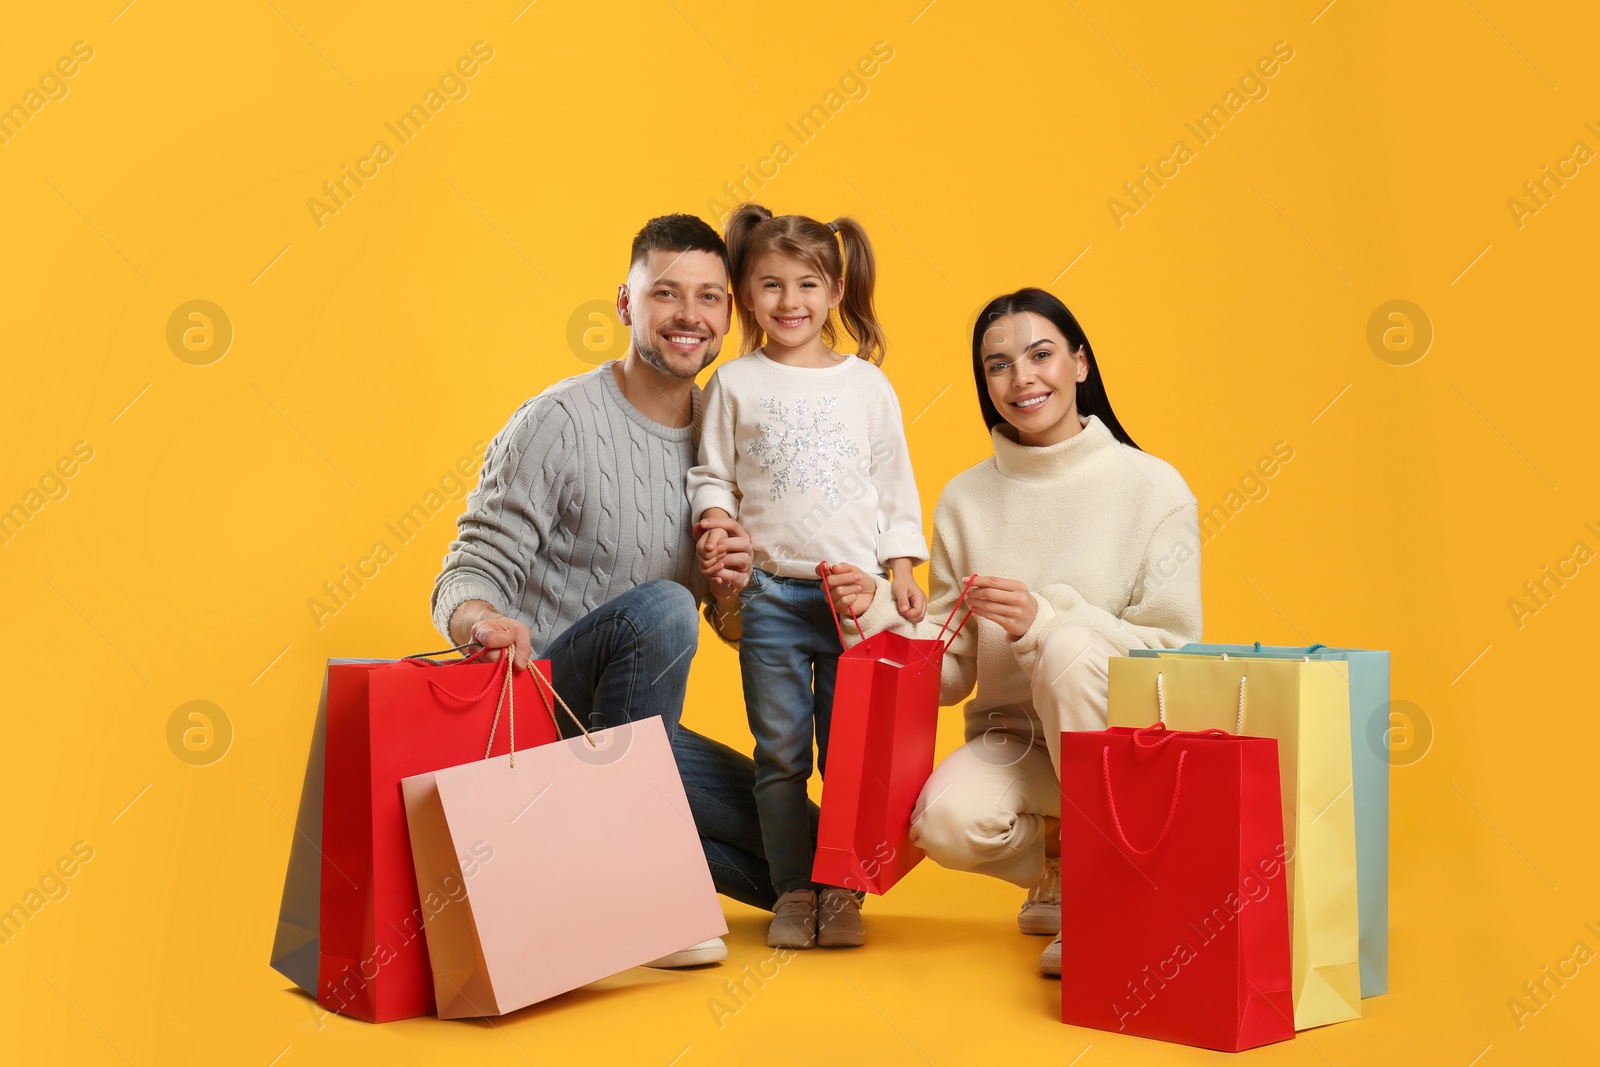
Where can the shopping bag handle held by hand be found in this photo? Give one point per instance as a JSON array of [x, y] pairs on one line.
[[822, 572], [426, 659], [965, 589], [507, 701], [945, 647], [1161, 703], [538, 678], [1111, 799]]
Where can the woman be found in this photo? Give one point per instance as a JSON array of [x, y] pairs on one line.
[[1099, 545]]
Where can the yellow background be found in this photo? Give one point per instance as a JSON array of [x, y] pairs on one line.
[[369, 354]]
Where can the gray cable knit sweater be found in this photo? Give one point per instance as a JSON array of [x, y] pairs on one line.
[[580, 499]]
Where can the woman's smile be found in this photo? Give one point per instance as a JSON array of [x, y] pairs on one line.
[[1032, 401]]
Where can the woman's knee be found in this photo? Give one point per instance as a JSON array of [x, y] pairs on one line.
[[1070, 655], [960, 838]]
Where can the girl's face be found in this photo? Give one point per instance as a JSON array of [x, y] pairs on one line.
[[1033, 377], [790, 299]]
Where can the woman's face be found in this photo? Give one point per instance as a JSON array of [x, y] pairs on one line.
[[1033, 377]]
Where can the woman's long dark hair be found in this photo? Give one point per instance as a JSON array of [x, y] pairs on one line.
[[1092, 399]]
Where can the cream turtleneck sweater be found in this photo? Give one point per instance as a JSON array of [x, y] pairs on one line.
[[1106, 536]]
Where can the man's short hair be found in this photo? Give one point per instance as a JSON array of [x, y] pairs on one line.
[[678, 233]]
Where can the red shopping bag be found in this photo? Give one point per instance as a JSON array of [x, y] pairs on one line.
[[880, 754], [1174, 909], [385, 722]]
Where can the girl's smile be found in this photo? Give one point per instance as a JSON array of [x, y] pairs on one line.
[[791, 301]]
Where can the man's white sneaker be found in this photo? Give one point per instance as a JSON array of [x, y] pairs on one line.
[[1041, 912], [713, 951]]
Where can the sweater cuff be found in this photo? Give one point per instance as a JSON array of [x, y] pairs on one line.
[[708, 497], [455, 590], [897, 544], [1026, 647]]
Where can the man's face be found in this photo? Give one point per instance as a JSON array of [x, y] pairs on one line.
[[678, 308]]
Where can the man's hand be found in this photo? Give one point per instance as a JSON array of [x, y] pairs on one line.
[[1003, 601], [850, 588], [728, 557], [477, 621]]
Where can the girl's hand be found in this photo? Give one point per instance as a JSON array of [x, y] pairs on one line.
[[909, 597], [735, 556], [709, 550], [849, 588], [1005, 602]]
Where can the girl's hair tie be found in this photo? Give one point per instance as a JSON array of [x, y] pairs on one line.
[[833, 227]]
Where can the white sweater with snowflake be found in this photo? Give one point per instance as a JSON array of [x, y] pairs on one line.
[[811, 461]]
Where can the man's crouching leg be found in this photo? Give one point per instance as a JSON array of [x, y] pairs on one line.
[[629, 658]]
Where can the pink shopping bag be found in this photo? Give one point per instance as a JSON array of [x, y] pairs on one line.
[[546, 869]]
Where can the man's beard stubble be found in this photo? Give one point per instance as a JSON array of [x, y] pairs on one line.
[[652, 355]]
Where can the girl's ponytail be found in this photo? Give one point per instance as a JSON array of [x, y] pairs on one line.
[[738, 234], [860, 277]]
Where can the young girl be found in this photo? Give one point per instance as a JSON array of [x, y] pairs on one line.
[[805, 447]]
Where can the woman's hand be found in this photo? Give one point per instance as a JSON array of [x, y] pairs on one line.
[[1003, 601], [850, 588]]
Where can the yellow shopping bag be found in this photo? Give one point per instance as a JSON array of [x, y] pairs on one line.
[[1306, 706]]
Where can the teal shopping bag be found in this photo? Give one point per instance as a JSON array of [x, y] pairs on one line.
[[1369, 748]]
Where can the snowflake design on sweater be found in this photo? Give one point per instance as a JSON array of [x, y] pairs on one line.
[[802, 446]]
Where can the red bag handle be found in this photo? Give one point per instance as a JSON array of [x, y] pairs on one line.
[[822, 572], [426, 659], [1116, 820], [495, 679], [506, 701], [1165, 735], [965, 589]]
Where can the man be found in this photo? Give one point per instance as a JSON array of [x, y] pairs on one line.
[[577, 542]]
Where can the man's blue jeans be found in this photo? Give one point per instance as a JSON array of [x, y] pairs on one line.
[[788, 657], [629, 659]]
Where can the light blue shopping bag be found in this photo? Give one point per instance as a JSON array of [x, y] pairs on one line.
[[1369, 747]]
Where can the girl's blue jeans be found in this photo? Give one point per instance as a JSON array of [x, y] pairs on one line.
[[788, 659]]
